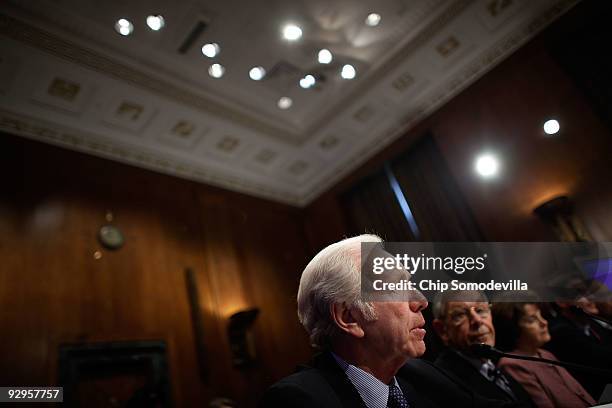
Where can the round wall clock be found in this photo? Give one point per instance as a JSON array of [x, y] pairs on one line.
[[111, 237]]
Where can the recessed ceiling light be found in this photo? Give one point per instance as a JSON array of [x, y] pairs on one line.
[[348, 72], [373, 19], [292, 32], [307, 81], [216, 70], [487, 165], [211, 50], [551, 127], [124, 26], [285, 102], [155, 22], [257, 73], [325, 56]]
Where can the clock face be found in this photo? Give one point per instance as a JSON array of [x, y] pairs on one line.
[[111, 237]]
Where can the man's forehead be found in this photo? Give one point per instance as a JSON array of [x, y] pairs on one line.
[[464, 304]]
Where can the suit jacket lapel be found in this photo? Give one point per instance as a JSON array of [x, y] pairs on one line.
[[411, 394], [340, 383], [465, 373]]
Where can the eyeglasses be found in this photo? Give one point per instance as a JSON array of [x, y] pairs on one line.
[[459, 316]]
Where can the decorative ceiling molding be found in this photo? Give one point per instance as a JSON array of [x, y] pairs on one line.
[[96, 145], [85, 97]]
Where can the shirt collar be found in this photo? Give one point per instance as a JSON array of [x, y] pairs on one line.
[[373, 392]]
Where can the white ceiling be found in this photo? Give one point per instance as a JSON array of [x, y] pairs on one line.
[[67, 78]]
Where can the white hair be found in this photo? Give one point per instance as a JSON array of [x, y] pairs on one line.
[[332, 276], [441, 300]]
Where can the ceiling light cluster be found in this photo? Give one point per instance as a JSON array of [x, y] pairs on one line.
[[154, 21], [290, 32], [211, 50]]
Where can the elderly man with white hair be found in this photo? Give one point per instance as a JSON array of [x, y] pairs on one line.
[[462, 320], [363, 344]]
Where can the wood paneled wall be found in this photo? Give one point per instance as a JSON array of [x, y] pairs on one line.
[[504, 112], [245, 253]]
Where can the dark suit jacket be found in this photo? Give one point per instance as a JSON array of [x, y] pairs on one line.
[[323, 384], [467, 375], [445, 390], [570, 343]]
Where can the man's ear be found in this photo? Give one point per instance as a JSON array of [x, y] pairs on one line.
[[346, 319], [440, 328]]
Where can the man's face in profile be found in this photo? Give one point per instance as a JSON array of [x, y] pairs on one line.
[[398, 332], [466, 323]]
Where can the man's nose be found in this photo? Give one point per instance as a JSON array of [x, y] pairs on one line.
[[475, 318]]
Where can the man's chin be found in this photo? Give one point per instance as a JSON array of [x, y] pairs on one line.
[[419, 350]]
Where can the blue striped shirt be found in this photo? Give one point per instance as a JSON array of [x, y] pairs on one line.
[[373, 392]]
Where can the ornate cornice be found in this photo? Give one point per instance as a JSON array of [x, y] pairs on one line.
[[97, 145]]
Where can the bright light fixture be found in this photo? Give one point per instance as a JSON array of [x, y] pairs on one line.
[[551, 127], [211, 50], [155, 22], [348, 72], [325, 56], [487, 165], [284, 102], [292, 32], [373, 19], [257, 73], [124, 26], [308, 81], [216, 70]]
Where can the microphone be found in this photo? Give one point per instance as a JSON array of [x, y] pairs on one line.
[[485, 351]]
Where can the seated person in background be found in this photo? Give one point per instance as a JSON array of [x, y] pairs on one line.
[[462, 319], [577, 338], [364, 344], [601, 296], [521, 329]]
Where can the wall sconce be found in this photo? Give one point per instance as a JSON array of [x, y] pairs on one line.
[[559, 213], [240, 337]]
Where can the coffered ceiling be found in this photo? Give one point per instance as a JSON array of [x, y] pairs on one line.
[[67, 77]]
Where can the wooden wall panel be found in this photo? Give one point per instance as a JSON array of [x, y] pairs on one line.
[[245, 253]]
